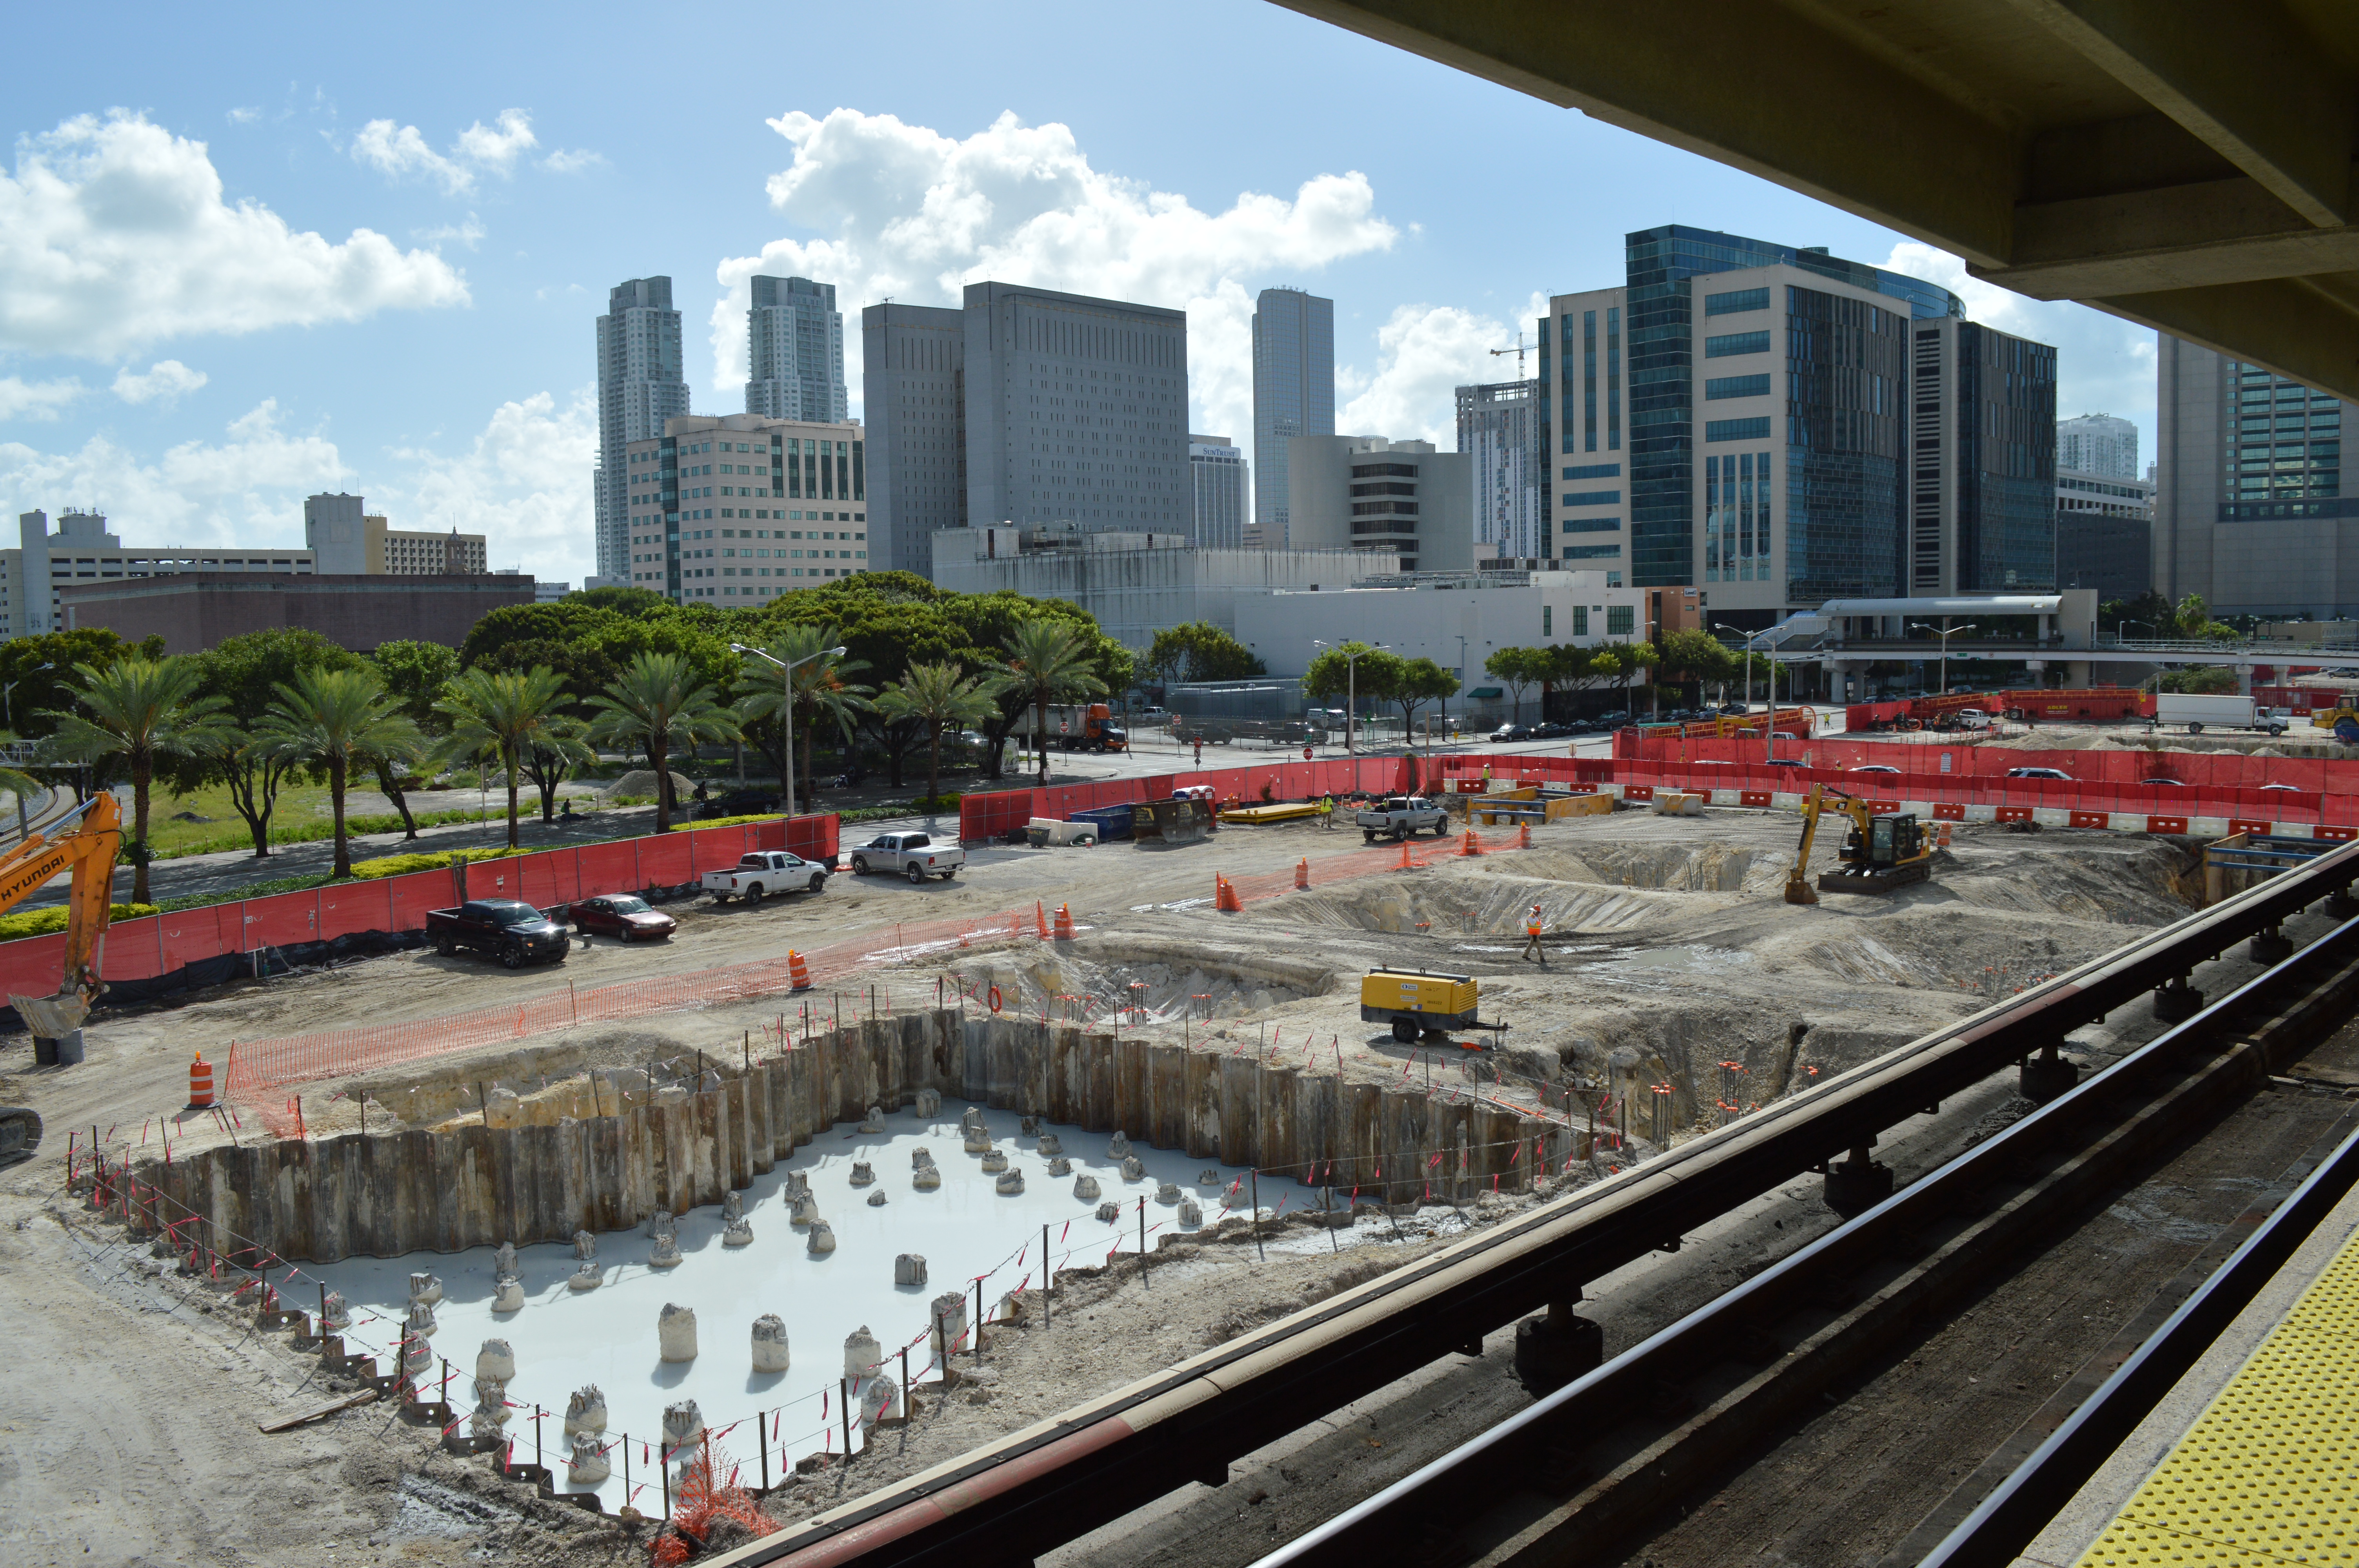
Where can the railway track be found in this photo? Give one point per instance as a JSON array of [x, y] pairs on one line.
[[1581, 1472], [1023, 1496]]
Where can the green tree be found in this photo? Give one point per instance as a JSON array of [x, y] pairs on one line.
[[1517, 669], [1562, 664], [2192, 616], [1603, 667], [1633, 658], [38, 672], [553, 758], [657, 703], [504, 715], [1420, 681], [937, 696], [1049, 662], [822, 689], [141, 710], [2207, 680], [1199, 651], [337, 721], [244, 671], [1692, 654]]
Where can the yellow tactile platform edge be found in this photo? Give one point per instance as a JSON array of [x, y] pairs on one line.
[[2269, 1473]]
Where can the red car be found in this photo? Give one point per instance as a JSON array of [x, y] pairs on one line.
[[622, 915]]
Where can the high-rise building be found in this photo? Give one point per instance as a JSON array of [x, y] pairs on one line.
[[752, 507], [1401, 499], [1499, 428], [1217, 472], [1294, 395], [640, 385], [1794, 429], [2104, 533], [2098, 444], [794, 343], [913, 364], [2250, 508], [1076, 411]]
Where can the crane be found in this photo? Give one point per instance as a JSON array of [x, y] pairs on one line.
[[89, 851], [1880, 853], [1518, 351]]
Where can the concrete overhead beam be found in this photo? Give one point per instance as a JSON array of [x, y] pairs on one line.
[[2246, 79], [2312, 331], [2220, 231], [1825, 117]]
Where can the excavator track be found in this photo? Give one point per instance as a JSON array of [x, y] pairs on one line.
[[20, 1133]]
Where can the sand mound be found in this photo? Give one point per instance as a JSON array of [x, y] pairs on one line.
[[640, 783]]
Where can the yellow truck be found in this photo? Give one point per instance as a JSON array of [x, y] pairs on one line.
[[1419, 1001]]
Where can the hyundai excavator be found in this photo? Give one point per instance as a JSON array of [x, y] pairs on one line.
[[85, 842], [1879, 852]]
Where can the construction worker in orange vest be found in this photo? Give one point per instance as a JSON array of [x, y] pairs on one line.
[[1532, 928]]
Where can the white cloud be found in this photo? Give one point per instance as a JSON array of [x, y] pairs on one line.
[[2103, 364], [469, 233], [522, 481], [401, 151], [166, 382], [22, 399], [573, 160], [1425, 353], [910, 213], [114, 234], [243, 116], [240, 491]]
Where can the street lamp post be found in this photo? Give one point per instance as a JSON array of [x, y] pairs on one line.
[[1945, 636], [787, 675], [1351, 687]]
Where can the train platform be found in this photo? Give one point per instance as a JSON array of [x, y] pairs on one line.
[[2253, 1458]]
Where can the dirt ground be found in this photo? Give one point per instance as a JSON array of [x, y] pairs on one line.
[[1670, 952]]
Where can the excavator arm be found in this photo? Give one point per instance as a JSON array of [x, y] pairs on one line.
[[89, 851], [1798, 880]]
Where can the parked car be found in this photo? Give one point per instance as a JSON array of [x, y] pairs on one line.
[[1550, 730], [1875, 768], [2294, 788], [2039, 774], [1511, 732], [2175, 784], [623, 915], [1401, 816], [737, 803], [915, 855], [507, 929], [765, 872]]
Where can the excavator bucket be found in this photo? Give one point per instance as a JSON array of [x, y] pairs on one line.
[[1798, 890], [51, 1017]]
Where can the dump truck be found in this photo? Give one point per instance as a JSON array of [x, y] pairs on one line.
[[1075, 728]]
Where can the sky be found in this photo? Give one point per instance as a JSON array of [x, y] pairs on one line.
[[363, 249]]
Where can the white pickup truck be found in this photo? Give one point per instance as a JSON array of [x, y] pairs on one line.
[[915, 855], [756, 876], [1402, 815]]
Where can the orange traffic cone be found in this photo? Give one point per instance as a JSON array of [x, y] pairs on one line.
[[1407, 862], [201, 1083], [1302, 873], [1470, 845], [1523, 835], [798, 971], [1064, 923], [1040, 913], [1224, 896]]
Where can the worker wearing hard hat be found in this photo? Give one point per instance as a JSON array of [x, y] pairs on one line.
[[1533, 926]]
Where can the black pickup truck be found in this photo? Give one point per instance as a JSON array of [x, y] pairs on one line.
[[508, 929]]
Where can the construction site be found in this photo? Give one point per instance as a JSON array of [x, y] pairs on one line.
[[741, 1240]]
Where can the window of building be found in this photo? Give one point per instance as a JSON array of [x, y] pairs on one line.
[[1593, 552], [1592, 498], [1592, 525], [1735, 300], [1737, 386], [1722, 347], [1736, 429], [1594, 470], [1621, 620], [1547, 620], [1581, 621]]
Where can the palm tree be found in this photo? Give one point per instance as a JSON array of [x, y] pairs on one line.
[[822, 690], [140, 709], [657, 703], [938, 696], [338, 721], [504, 714], [1049, 660]]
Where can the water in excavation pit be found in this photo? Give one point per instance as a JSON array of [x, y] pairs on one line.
[[563, 1340]]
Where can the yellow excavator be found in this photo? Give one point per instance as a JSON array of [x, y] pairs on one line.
[[86, 843], [1879, 852]]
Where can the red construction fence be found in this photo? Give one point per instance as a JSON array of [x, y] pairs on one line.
[[985, 818], [163, 944]]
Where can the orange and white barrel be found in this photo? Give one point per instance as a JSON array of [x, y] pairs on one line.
[[201, 1083], [799, 971]]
